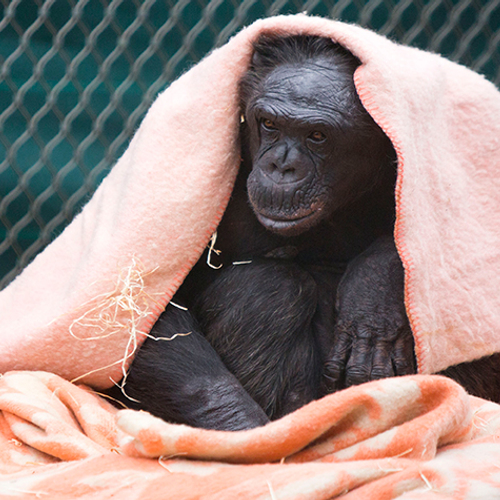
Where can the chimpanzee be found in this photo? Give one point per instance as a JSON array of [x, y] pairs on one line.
[[306, 296]]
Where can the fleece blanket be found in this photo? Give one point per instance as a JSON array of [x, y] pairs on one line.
[[418, 437], [82, 308], [84, 305]]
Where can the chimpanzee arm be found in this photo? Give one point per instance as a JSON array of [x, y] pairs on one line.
[[372, 336], [259, 318], [183, 380]]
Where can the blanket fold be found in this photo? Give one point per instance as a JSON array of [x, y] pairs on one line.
[[52, 416], [396, 438], [386, 418]]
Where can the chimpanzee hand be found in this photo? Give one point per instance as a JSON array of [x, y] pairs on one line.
[[372, 336]]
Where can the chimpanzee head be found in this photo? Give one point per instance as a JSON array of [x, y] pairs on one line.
[[314, 148]]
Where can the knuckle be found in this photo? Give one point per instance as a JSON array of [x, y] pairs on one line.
[[365, 332], [357, 375], [381, 371], [404, 366], [333, 369]]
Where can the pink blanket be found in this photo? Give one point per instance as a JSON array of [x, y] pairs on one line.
[[86, 303]]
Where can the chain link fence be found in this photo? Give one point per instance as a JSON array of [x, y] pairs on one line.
[[76, 77]]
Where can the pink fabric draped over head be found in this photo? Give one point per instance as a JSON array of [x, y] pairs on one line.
[[84, 304]]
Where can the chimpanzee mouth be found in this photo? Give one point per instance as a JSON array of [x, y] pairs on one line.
[[288, 226]]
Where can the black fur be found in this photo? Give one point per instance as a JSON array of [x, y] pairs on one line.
[[279, 369], [319, 303], [183, 379]]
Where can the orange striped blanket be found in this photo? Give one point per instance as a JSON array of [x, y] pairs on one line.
[[418, 437]]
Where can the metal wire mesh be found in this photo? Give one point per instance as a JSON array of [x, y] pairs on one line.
[[76, 77]]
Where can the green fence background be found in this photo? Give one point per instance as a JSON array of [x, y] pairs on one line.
[[76, 78]]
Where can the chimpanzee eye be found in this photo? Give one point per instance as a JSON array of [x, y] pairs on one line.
[[317, 136], [268, 124]]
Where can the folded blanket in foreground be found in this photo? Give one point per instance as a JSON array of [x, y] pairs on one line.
[[406, 438]]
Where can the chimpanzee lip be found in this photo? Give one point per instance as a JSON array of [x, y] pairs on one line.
[[286, 219], [284, 224]]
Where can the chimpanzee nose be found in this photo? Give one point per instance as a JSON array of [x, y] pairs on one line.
[[287, 164]]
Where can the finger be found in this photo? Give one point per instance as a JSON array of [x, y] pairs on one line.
[[359, 365], [382, 362], [403, 357], [335, 367]]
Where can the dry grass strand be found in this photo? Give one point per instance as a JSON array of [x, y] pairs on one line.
[[211, 248], [121, 309]]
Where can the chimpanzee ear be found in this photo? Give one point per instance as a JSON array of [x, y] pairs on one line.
[[257, 59]]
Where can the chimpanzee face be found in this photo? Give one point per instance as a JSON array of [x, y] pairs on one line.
[[314, 147]]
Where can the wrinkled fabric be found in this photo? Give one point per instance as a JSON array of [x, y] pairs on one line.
[[407, 438]]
